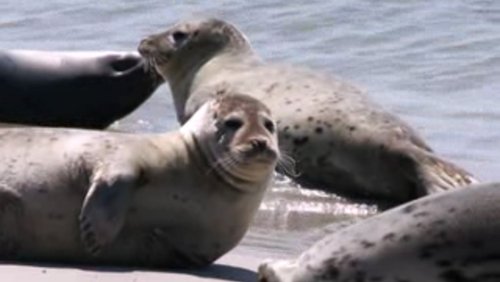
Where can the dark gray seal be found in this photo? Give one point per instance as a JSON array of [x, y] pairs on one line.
[[341, 141], [448, 237], [179, 199], [72, 89]]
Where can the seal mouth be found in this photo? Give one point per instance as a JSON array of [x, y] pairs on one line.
[[257, 151]]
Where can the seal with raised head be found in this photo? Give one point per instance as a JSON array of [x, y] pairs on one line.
[[341, 141], [179, 199], [72, 89], [445, 237]]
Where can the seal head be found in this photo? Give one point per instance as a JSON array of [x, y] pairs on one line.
[[239, 141]]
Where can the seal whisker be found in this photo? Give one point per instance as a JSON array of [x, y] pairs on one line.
[[226, 162], [286, 164]]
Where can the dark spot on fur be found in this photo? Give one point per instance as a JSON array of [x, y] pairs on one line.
[[367, 244], [53, 138], [438, 222], [288, 102], [42, 190], [409, 208], [298, 110], [353, 263], [453, 275], [300, 141], [286, 128], [389, 236], [296, 126], [405, 238], [318, 130], [310, 119], [332, 272], [352, 128], [452, 210], [271, 87], [421, 214]]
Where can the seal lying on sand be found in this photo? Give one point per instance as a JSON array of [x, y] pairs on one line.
[[72, 89], [440, 238], [341, 141], [179, 199]]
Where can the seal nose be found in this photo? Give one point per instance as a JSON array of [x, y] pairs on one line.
[[259, 144], [145, 46]]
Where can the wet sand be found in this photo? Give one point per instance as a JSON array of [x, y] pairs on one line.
[[230, 267]]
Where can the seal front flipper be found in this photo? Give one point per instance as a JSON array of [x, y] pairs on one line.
[[104, 208], [439, 175]]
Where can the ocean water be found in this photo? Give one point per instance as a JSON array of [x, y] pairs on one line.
[[435, 64]]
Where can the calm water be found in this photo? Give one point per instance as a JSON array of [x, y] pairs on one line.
[[435, 64]]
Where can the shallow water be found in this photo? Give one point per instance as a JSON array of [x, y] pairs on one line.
[[435, 64]]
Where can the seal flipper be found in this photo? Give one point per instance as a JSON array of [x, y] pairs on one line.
[[104, 209], [439, 175]]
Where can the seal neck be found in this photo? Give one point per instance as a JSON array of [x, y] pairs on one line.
[[186, 79]]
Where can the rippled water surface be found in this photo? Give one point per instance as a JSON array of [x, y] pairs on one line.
[[436, 64]]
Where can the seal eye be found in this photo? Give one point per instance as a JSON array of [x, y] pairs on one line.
[[233, 124], [179, 37], [269, 126]]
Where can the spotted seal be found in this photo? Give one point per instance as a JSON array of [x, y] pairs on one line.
[[341, 141], [72, 89], [178, 199], [444, 237]]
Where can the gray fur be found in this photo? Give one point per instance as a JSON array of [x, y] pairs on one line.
[[80, 196], [449, 237], [341, 141]]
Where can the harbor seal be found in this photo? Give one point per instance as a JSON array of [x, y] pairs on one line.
[[179, 199], [341, 141], [72, 89], [447, 237]]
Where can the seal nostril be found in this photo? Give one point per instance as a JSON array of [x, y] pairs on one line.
[[124, 64], [179, 37], [259, 144]]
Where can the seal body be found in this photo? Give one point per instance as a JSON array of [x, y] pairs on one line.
[[341, 141], [179, 199], [72, 89], [439, 238]]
